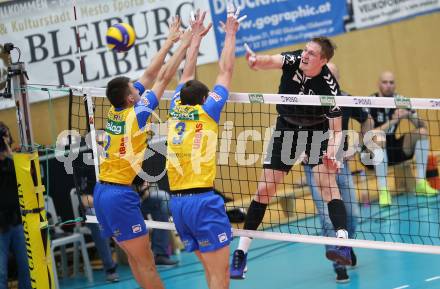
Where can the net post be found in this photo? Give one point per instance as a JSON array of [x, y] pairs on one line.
[[30, 189], [19, 92]]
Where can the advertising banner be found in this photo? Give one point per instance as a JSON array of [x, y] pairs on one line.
[[44, 31], [276, 23], [367, 13]]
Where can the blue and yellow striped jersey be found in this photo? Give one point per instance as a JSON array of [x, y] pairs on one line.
[[192, 140]]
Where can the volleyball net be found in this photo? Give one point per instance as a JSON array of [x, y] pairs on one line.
[[409, 222]]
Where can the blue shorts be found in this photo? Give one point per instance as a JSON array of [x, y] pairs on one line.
[[201, 221], [118, 212]]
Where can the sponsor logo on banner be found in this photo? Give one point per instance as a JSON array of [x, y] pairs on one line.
[[327, 100], [402, 102], [289, 99], [256, 98], [362, 101], [434, 103], [375, 12], [279, 23], [44, 30]]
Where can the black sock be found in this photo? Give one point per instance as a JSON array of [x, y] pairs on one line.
[[337, 214], [254, 215]]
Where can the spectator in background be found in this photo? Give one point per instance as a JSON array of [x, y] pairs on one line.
[[402, 148], [11, 228]]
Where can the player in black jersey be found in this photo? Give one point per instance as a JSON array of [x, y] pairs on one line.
[[399, 149], [303, 72], [344, 180]]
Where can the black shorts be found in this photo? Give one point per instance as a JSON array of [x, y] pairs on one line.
[[289, 142], [395, 150]]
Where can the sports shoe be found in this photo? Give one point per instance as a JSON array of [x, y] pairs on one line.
[[353, 258], [384, 197], [238, 266], [341, 275], [112, 277], [340, 255], [423, 188], [165, 261]]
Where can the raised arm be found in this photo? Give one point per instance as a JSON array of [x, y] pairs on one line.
[[227, 58], [264, 61], [199, 31], [153, 69], [168, 71]]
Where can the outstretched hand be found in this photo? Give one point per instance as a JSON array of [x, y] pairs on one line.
[[186, 37], [232, 20], [175, 32], [197, 27], [251, 57]]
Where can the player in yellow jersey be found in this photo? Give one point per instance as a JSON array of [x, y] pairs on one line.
[[198, 213], [117, 206]]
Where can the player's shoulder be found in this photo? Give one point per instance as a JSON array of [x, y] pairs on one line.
[[291, 57]]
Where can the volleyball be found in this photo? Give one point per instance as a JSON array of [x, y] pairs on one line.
[[120, 37]]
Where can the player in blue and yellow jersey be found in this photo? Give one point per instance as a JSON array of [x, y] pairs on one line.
[[117, 206], [198, 213]]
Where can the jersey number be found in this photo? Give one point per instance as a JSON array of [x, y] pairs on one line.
[[180, 130]]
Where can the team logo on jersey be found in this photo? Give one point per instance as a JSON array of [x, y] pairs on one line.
[[184, 113], [222, 237], [136, 228], [115, 127], [145, 101], [290, 59], [215, 96]]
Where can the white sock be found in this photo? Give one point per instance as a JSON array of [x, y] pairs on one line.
[[341, 233], [244, 243], [421, 152], [382, 171]]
